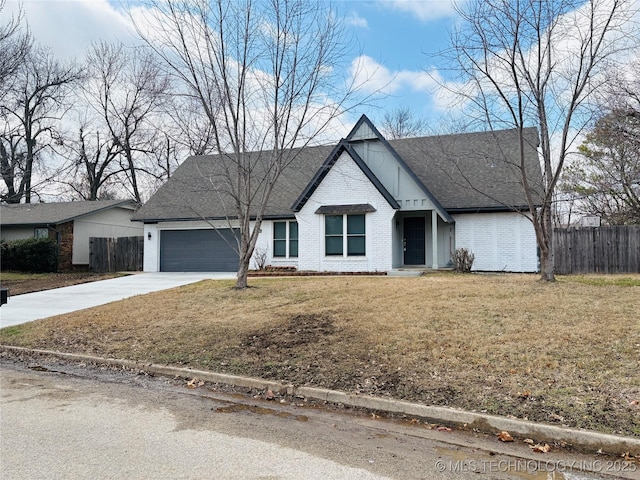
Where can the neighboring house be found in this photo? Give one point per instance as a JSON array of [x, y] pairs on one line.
[[70, 224], [365, 204]]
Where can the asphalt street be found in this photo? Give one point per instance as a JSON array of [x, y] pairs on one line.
[[61, 422]]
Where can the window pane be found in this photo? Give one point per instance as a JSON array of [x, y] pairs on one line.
[[355, 224], [333, 245], [279, 248], [293, 248], [293, 230], [41, 232], [355, 246], [333, 225], [280, 230]]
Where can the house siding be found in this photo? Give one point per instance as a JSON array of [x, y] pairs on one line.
[[265, 244], [112, 223], [346, 184], [409, 195], [16, 233], [499, 241]]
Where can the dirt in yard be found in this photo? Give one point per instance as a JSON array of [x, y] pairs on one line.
[[48, 281]]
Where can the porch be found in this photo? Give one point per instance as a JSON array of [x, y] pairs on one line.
[[422, 241]]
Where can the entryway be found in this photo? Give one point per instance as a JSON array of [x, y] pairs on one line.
[[414, 241]]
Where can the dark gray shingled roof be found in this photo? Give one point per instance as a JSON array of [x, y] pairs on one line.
[[474, 171], [54, 213], [454, 168]]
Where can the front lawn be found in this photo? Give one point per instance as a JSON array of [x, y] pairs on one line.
[[20, 282], [564, 353]]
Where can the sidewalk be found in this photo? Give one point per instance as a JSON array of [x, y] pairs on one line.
[[37, 305]]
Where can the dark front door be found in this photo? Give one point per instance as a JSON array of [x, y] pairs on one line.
[[414, 241]]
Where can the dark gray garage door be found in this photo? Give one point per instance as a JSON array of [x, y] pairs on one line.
[[198, 251]]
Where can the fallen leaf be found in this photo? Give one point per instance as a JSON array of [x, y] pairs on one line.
[[269, 395], [541, 448], [529, 441], [504, 436], [192, 383], [442, 428], [634, 402]]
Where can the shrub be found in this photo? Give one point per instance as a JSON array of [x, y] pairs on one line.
[[35, 255], [463, 260]]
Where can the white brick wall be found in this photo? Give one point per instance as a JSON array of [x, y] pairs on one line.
[[346, 184], [265, 243], [499, 241]]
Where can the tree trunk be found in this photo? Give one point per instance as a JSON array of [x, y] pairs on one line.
[[547, 268], [243, 271]]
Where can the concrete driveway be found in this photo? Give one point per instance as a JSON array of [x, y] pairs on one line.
[[33, 306]]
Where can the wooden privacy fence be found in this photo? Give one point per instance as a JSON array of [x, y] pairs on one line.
[[614, 249], [122, 254]]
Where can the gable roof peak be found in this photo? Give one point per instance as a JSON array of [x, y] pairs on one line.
[[364, 129]]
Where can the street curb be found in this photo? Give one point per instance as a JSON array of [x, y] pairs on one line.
[[581, 440]]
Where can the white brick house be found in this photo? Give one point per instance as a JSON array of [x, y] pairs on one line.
[[364, 205]]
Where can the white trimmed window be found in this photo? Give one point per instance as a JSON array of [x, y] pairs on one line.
[[285, 239], [345, 233]]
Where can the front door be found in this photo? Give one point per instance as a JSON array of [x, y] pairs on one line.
[[414, 247]]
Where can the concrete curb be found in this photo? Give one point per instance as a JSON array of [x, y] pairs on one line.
[[582, 440]]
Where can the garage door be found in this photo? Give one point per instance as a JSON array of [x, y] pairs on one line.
[[198, 251]]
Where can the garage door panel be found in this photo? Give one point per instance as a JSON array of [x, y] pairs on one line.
[[198, 251]]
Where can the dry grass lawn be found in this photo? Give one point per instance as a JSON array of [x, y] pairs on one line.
[[566, 353]]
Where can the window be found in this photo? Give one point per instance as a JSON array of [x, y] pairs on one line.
[[336, 241], [285, 238], [41, 232], [333, 234], [355, 235]]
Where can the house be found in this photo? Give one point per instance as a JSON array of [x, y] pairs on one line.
[[71, 224], [365, 204]]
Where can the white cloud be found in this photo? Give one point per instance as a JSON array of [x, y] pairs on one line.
[[373, 77], [355, 20], [424, 9], [69, 26]]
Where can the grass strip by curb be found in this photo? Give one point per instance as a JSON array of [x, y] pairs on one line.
[[581, 440]]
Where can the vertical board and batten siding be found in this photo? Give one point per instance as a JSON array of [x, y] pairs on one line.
[[122, 254], [610, 249]]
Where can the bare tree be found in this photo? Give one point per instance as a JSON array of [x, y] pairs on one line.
[[32, 110], [539, 62], [15, 44], [264, 74], [402, 123], [606, 179], [95, 169], [126, 89]]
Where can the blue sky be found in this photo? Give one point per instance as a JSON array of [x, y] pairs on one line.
[[395, 39], [400, 39], [392, 35]]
